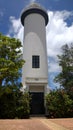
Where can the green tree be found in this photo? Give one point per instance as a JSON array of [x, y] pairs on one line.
[[10, 73], [10, 61], [60, 102], [65, 77]]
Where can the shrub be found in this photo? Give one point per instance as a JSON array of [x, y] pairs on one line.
[[23, 107], [59, 104]]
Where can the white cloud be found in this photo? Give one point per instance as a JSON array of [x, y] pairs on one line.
[[16, 29], [58, 33], [53, 67], [52, 84]]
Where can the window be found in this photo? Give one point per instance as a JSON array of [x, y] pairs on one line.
[[35, 62]]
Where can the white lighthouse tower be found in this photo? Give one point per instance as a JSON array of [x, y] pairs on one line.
[[35, 71]]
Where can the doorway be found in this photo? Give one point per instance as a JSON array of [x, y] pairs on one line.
[[37, 103]]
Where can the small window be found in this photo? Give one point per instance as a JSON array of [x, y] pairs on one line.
[[35, 62]]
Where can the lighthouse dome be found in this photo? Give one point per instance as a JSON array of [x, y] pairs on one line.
[[34, 8], [35, 5]]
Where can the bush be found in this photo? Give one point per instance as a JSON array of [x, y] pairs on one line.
[[7, 106], [23, 107], [14, 105], [59, 104]]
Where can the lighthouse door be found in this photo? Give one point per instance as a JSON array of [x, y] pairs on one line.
[[37, 103]]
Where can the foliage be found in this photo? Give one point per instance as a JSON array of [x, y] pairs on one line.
[[59, 104], [10, 60], [65, 77], [7, 104], [23, 105], [13, 103]]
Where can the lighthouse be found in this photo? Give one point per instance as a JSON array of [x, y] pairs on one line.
[[35, 70]]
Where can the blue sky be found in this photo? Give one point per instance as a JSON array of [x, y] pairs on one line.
[[58, 31]]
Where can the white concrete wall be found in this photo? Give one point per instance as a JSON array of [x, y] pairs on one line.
[[36, 88], [34, 44]]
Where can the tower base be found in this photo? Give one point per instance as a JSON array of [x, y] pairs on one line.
[[37, 104]]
